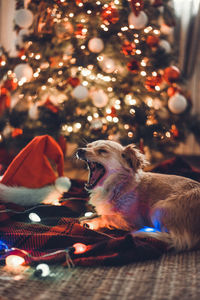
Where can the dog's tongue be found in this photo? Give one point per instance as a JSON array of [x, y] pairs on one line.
[[96, 172]]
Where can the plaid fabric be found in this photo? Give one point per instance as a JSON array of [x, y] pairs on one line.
[[53, 238]]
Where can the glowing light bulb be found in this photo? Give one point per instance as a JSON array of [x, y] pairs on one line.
[[43, 269], [88, 214], [34, 217], [146, 229], [79, 248], [14, 261]]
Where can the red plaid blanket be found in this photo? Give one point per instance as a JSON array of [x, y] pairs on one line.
[[53, 238]]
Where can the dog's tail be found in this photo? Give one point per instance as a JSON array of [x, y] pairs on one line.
[[49, 194]]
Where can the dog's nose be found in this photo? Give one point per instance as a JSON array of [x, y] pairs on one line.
[[80, 153]]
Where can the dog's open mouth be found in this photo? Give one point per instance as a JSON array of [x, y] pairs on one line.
[[97, 171]]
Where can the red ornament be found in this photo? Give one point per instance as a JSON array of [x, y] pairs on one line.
[[152, 81], [174, 131], [16, 132], [152, 41], [48, 104], [128, 48], [10, 84], [133, 66], [137, 6], [109, 15], [21, 52], [172, 90], [171, 74], [79, 30], [78, 2], [73, 81]]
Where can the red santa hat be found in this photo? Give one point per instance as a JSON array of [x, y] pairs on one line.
[[31, 167]]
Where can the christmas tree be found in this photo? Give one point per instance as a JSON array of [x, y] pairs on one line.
[[91, 70]]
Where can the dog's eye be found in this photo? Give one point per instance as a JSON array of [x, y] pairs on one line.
[[101, 151]]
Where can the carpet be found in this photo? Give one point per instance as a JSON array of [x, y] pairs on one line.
[[173, 276]]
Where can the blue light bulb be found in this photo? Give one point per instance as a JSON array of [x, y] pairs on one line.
[[3, 246]]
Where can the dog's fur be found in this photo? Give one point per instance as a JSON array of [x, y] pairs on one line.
[[128, 198]]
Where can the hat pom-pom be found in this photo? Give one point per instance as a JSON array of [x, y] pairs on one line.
[[62, 184]]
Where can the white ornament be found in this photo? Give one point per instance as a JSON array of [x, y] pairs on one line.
[[165, 45], [80, 92], [23, 18], [19, 40], [96, 124], [99, 98], [95, 45], [138, 22], [23, 72], [107, 65], [177, 103], [167, 30], [33, 112]]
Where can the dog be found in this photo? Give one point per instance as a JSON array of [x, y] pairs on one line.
[[128, 198]]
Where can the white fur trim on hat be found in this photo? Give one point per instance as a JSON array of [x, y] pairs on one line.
[[49, 194], [62, 184]]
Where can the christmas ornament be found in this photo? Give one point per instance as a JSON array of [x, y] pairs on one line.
[[177, 103], [69, 50], [133, 66], [138, 22], [33, 112], [137, 6], [171, 74], [64, 30], [51, 106], [20, 38], [165, 45], [95, 45], [96, 124], [165, 29], [174, 131], [107, 65], [128, 48], [23, 18], [80, 92], [10, 84], [110, 15], [153, 81], [74, 81], [23, 72], [16, 132], [172, 90], [99, 98], [80, 33], [152, 41]]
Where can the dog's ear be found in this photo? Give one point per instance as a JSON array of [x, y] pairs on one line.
[[134, 158]]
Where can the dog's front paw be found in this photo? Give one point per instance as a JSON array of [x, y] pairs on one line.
[[93, 224]]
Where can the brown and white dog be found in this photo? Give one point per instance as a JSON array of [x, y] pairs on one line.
[[128, 198]]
